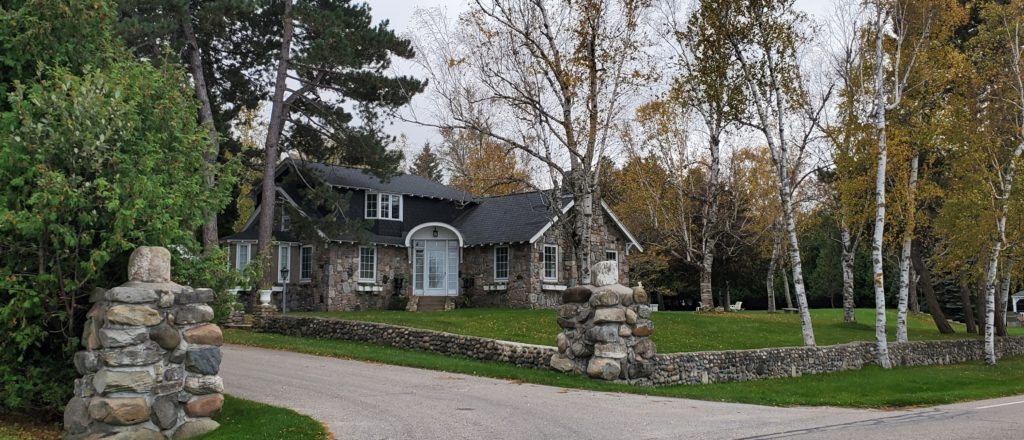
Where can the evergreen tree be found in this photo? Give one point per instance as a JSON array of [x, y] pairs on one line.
[[330, 60], [100, 154], [427, 165]]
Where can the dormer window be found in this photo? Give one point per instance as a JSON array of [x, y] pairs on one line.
[[286, 222], [383, 206]]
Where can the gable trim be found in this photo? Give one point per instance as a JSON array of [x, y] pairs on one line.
[[621, 226], [551, 223]]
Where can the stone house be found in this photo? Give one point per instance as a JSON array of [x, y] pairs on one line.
[[423, 245]]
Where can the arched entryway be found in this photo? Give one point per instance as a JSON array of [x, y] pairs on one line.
[[434, 253]]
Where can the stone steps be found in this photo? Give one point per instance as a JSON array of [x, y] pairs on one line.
[[430, 304]]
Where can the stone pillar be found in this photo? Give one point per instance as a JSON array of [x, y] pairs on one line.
[[149, 368], [605, 329]]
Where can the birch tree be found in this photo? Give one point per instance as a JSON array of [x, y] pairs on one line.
[[765, 37], [706, 86], [552, 79], [999, 63], [906, 25]]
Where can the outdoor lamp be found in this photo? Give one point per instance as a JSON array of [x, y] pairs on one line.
[[435, 231], [284, 292]]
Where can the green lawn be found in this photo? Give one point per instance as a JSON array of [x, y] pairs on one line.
[[245, 419], [674, 331], [871, 387]]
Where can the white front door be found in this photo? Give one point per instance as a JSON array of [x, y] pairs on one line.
[[435, 267], [436, 275]]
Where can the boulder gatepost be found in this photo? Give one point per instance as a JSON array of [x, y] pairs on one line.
[[151, 357], [605, 329]]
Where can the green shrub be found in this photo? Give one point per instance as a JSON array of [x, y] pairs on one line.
[[99, 154]]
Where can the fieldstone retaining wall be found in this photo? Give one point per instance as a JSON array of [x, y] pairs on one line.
[[524, 355], [665, 369], [149, 368]]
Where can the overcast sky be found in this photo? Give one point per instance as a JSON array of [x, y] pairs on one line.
[[400, 14]]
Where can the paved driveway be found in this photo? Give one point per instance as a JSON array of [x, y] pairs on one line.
[[359, 400]]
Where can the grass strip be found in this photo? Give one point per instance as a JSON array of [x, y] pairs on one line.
[[245, 419], [871, 387]]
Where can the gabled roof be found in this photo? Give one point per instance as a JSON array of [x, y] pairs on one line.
[[513, 218], [405, 184]]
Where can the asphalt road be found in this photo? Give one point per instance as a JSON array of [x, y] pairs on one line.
[[359, 400]]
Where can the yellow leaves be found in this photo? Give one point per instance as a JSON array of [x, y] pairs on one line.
[[452, 62]]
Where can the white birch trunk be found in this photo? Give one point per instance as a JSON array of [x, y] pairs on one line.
[[770, 279], [707, 297], [847, 263], [997, 246], [908, 237], [878, 277]]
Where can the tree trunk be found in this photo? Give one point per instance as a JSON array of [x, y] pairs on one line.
[[798, 277], [848, 253], [770, 279], [965, 300], [709, 222], [727, 305], [991, 275], [210, 234], [1006, 186], [706, 295], [908, 236], [878, 277], [929, 291], [278, 114], [785, 285], [979, 303], [1001, 300], [915, 301], [583, 222]]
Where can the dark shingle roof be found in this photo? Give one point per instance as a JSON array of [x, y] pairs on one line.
[[506, 219], [406, 184]]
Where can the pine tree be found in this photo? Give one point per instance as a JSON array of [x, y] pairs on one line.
[[427, 165]]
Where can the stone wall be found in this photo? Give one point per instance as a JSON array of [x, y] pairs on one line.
[[665, 369], [149, 368], [766, 363], [524, 355]]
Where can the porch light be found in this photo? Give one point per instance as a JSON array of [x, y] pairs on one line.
[[435, 231]]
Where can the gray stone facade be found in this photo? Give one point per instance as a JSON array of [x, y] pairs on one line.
[[334, 284], [149, 368]]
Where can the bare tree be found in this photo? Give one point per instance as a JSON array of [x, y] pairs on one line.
[[549, 78]]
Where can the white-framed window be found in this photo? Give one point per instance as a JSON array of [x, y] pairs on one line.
[[305, 263], [383, 206], [611, 256], [284, 260], [368, 264], [501, 258], [286, 221], [371, 205], [550, 262], [242, 255]]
